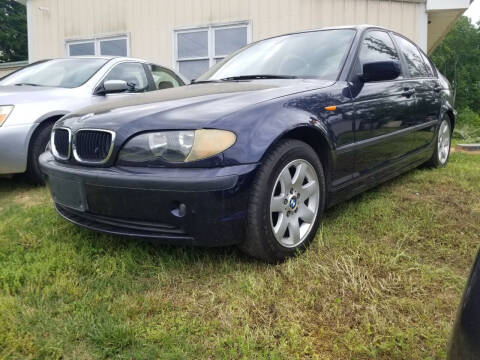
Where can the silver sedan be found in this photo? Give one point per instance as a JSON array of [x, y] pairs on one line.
[[32, 99]]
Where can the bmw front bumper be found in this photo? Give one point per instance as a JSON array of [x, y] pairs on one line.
[[188, 206]]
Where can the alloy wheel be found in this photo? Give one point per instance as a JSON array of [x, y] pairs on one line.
[[294, 203], [443, 146]]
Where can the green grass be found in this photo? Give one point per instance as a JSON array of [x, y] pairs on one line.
[[383, 279]]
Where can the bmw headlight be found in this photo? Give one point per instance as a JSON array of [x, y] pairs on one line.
[[5, 111], [176, 146]]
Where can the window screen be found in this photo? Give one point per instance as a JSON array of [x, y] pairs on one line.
[[193, 44], [115, 47], [229, 40], [192, 69], [198, 50], [82, 49]]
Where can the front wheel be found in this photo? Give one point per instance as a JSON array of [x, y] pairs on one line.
[[441, 153], [286, 202], [38, 146]]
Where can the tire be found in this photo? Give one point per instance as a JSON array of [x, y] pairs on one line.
[[38, 145], [443, 140], [271, 203]]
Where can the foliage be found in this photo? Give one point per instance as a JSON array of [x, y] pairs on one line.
[[467, 133], [468, 126], [467, 116], [458, 58], [382, 280], [13, 31]]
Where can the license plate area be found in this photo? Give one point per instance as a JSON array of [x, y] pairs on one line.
[[68, 193]]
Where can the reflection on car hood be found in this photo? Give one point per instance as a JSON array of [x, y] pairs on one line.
[[193, 105], [11, 94]]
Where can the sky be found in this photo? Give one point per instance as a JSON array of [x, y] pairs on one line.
[[473, 11]]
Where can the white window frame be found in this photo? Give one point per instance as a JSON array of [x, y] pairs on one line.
[[97, 40], [211, 57]]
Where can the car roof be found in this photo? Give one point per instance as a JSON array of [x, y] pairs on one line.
[[359, 28], [100, 57], [110, 58]]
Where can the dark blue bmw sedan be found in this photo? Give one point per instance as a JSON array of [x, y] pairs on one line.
[[255, 149]]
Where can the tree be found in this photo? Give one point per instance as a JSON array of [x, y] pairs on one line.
[[458, 58], [13, 31]]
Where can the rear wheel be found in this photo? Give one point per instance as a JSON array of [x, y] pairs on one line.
[[286, 203], [38, 146], [441, 153]]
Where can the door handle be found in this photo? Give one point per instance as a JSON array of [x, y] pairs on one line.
[[437, 88], [408, 92]]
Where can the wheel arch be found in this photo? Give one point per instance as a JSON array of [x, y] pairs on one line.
[[317, 139], [451, 114], [42, 122]]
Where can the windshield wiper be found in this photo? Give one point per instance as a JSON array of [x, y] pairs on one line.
[[253, 77], [27, 84], [204, 81]]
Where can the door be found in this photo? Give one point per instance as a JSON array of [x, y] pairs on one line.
[[164, 78], [423, 79], [133, 73], [383, 109]]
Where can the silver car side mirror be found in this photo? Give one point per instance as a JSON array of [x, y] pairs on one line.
[[113, 86]]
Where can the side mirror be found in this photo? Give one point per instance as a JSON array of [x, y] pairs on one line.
[[381, 71], [112, 86]]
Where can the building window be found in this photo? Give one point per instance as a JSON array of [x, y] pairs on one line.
[[198, 49], [113, 46], [81, 48]]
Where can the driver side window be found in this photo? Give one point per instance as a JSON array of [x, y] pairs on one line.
[[131, 72], [376, 46]]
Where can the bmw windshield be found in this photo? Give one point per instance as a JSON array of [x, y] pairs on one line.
[[316, 54], [63, 73]]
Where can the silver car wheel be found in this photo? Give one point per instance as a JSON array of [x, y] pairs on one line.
[[443, 145], [294, 203]]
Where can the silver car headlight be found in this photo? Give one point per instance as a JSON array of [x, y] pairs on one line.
[[5, 111], [177, 146]]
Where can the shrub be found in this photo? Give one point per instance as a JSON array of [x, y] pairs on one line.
[[467, 128], [467, 116]]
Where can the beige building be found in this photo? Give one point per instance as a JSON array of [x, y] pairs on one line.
[[191, 35]]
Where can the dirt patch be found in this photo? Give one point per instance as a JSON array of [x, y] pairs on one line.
[[29, 200], [459, 150]]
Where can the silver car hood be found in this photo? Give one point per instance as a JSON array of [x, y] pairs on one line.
[[16, 95]]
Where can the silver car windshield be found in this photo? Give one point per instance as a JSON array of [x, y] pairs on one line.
[[63, 73], [317, 54]]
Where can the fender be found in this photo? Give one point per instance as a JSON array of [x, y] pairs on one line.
[[302, 115], [36, 124], [448, 110], [257, 137], [51, 114]]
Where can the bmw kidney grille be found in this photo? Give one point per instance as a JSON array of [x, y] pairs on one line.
[[90, 146]]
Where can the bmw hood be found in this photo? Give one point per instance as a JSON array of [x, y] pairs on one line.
[[193, 106]]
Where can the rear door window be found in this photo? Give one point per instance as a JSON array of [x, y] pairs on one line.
[[164, 78], [428, 65], [415, 64]]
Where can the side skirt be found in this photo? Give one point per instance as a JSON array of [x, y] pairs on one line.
[[368, 181]]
